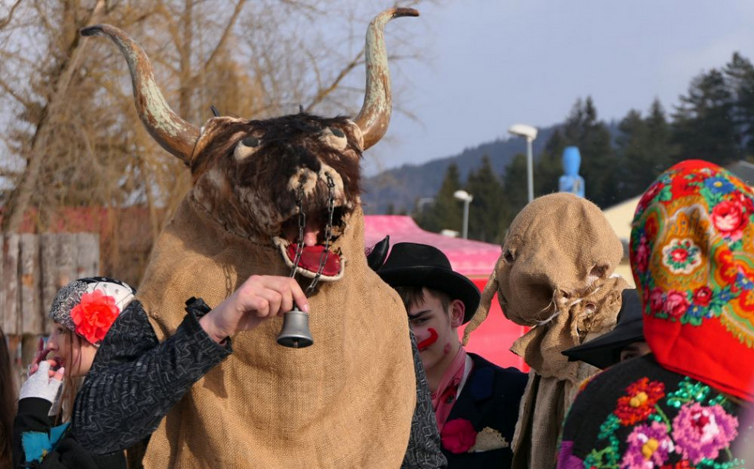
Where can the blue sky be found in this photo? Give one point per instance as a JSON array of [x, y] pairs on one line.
[[489, 64]]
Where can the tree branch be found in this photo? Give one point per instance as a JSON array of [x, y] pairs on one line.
[[6, 21], [22, 194], [323, 93], [222, 41]]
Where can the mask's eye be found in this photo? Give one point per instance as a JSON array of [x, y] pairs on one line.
[[246, 147], [509, 256], [335, 138]]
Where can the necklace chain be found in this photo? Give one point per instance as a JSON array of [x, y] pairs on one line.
[[328, 232]]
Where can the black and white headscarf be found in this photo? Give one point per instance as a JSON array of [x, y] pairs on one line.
[[69, 297]]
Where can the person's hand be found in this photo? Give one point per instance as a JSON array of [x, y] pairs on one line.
[[40, 356], [44, 383], [259, 298]]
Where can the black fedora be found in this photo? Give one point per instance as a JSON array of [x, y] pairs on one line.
[[604, 351], [421, 265]]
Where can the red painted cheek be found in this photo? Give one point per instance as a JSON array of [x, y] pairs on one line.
[[429, 340]]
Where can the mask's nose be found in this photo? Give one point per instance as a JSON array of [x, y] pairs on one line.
[[303, 158]]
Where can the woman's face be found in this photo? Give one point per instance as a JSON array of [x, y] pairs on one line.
[[71, 351]]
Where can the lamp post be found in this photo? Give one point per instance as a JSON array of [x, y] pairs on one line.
[[466, 198], [530, 133]]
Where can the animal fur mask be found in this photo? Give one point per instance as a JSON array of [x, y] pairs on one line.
[[252, 176], [256, 176]]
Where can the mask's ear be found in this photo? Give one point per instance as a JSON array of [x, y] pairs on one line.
[[376, 257]]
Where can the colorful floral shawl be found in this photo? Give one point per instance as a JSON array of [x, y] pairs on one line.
[[638, 415], [692, 255]]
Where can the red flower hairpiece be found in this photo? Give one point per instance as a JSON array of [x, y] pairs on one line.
[[94, 315]]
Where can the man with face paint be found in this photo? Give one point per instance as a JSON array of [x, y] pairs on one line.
[[475, 402]]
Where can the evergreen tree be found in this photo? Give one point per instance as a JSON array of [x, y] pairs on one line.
[[632, 152], [549, 167], [661, 151], [739, 74], [514, 190], [598, 162], [488, 205], [643, 149], [446, 211], [703, 125]]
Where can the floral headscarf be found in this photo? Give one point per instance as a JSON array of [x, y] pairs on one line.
[[692, 255], [89, 306]]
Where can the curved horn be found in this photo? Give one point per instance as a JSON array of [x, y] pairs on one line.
[[374, 116], [172, 133]]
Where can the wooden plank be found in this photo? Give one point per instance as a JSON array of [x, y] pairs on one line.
[[32, 321], [11, 313], [48, 246], [2, 289], [88, 254], [67, 253]]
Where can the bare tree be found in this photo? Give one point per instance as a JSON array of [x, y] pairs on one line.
[[70, 136]]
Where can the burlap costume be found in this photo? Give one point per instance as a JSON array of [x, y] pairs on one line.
[[346, 401], [349, 397], [554, 275]]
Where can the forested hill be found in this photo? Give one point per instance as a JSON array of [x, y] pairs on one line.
[[405, 185], [400, 188]]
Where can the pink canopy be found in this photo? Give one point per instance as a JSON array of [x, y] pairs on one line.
[[473, 259]]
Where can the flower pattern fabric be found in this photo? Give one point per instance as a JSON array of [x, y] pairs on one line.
[[701, 432], [639, 401], [697, 436], [648, 446], [692, 255]]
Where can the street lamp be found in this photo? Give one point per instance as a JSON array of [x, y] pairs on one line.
[[466, 198], [530, 133]]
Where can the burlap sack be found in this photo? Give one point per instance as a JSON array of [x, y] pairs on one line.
[[346, 401], [554, 274]]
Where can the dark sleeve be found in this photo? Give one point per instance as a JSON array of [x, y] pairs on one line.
[[135, 380], [68, 453], [31, 417], [579, 428], [424, 443]]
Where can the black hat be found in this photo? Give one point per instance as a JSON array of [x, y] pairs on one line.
[[604, 351], [421, 265]]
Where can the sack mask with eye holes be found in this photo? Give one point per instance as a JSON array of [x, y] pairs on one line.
[[255, 177], [559, 245]]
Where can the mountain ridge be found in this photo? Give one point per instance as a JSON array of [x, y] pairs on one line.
[[403, 186]]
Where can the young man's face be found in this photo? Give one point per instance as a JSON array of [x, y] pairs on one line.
[[435, 329], [636, 349]]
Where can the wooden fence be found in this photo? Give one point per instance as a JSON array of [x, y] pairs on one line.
[[33, 268]]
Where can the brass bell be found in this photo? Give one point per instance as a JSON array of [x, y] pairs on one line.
[[295, 332]]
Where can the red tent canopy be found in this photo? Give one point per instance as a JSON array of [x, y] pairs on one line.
[[473, 259]]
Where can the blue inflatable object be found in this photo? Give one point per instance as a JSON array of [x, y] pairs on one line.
[[571, 181]]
